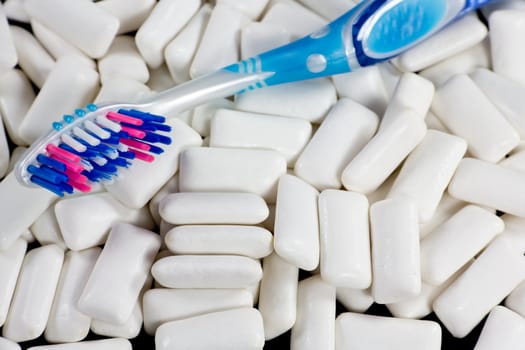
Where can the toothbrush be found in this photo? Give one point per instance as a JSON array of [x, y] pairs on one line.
[[90, 145]]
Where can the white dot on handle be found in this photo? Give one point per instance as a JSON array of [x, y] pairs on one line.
[[316, 63]]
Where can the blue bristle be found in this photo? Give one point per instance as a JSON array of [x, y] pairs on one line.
[[48, 174], [120, 162], [107, 168], [155, 149], [86, 154], [56, 189], [164, 139], [151, 137], [127, 154], [147, 117], [159, 127], [91, 175], [53, 163], [66, 187]]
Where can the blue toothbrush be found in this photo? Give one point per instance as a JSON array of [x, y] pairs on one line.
[[92, 143]]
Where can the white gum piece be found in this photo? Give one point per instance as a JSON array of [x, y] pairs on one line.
[[505, 94], [504, 329], [140, 182], [114, 285], [461, 63], [413, 92], [8, 54], [4, 151], [46, 229], [395, 250], [34, 294], [171, 186], [68, 74], [492, 276], [105, 344], [490, 8], [453, 39], [459, 104], [454, 243], [231, 170], [296, 230], [16, 97], [122, 89], [66, 323], [123, 60], [420, 306], [314, 327], [236, 129], [128, 330], [15, 213], [428, 170], [10, 264], [345, 239], [390, 76], [58, 46], [516, 300], [445, 209], [278, 296], [104, 211], [185, 208], [355, 300], [356, 331], [297, 19], [133, 325], [329, 9], [180, 51], [219, 45], [32, 57], [364, 86], [83, 24], [515, 161], [385, 151], [203, 114], [258, 37], [251, 241], [207, 271], [251, 8], [309, 99], [507, 56], [164, 305], [434, 123], [489, 185], [130, 13], [240, 328], [160, 79], [166, 19], [342, 134], [6, 344], [14, 9]]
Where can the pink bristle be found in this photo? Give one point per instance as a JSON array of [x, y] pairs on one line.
[[142, 156], [134, 143], [82, 187], [73, 167], [117, 117], [76, 177], [133, 132], [62, 153]]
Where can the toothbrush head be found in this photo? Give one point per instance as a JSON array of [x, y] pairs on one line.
[[90, 146]]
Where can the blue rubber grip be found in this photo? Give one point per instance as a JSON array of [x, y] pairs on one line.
[[373, 31]]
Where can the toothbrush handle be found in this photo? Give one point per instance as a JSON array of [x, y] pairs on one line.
[[373, 31]]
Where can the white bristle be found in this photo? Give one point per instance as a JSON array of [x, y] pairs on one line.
[[97, 130], [80, 133], [70, 141], [106, 123]]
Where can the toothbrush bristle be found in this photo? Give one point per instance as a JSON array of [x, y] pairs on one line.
[[94, 150]]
